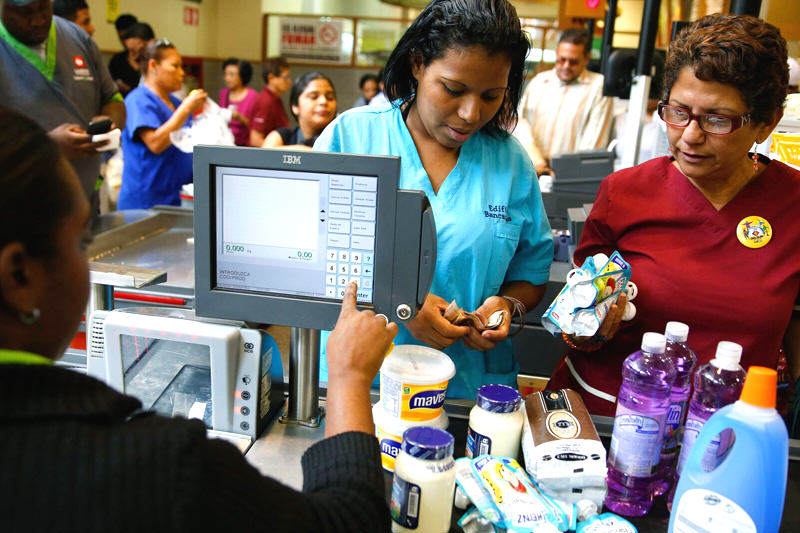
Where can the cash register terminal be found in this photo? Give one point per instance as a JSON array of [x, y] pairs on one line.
[[279, 234]]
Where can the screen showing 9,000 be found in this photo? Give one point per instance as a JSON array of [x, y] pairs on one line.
[[297, 233]]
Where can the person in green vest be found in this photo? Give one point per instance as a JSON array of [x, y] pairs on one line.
[[52, 71]]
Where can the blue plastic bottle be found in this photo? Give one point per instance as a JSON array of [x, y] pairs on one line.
[[716, 384], [684, 360], [642, 404], [746, 490]]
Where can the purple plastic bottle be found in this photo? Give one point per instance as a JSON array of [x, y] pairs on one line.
[[684, 360], [716, 384], [638, 434]]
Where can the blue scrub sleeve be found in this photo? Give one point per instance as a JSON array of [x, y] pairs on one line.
[[330, 138], [531, 261], [142, 113]]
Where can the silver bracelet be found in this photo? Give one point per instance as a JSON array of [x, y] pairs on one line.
[[519, 310]]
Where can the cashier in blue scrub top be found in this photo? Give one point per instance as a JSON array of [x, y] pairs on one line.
[[455, 80], [155, 170]]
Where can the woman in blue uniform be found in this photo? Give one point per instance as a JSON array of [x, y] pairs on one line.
[[154, 169], [455, 79]]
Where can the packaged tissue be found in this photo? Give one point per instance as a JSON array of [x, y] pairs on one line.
[[563, 452]]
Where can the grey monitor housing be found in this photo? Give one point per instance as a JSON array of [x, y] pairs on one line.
[[260, 257]]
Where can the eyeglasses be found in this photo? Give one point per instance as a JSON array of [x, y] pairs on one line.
[[569, 60], [163, 43], [709, 122]]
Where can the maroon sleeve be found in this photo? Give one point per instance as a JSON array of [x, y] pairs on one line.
[[260, 114], [275, 116], [597, 235]]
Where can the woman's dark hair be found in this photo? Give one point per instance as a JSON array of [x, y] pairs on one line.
[[300, 85], [245, 68], [274, 66], [365, 78], [444, 24], [36, 197], [737, 50], [141, 30], [156, 51]]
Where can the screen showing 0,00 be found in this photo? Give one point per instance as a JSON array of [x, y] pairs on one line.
[[296, 233]]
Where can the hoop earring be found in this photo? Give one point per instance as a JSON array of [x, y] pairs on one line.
[[30, 317]]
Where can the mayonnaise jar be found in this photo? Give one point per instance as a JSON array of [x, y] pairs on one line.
[[495, 423], [424, 481]]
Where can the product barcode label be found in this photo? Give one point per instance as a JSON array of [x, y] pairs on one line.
[[477, 444], [413, 504], [404, 506], [485, 447]]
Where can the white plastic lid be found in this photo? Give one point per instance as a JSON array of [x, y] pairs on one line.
[[728, 355], [654, 342], [419, 365], [395, 426], [676, 332]]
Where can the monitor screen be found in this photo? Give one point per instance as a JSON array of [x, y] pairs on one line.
[[304, 234]]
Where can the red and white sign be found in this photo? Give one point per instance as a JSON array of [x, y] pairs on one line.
[[317, 40], [191, 16]]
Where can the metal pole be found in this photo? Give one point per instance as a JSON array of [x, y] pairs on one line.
[[640, 91], [303, 405], [608, 34], [746, 7], [647, 38]]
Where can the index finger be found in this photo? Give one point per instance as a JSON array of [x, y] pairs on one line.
[[349, 299]]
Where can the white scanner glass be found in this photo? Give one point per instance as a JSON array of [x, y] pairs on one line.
[[297, 233], [169, 377]]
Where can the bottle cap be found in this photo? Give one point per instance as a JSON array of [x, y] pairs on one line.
[[654, 342], [676, 332], [498, 398], [429, 444], [728, 355], [760, 387]]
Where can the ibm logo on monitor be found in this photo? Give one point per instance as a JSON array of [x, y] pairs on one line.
[[291, 159]]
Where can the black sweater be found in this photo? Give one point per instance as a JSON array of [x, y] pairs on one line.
[[76, 456]]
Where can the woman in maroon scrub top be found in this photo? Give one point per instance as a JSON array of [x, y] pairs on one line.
[[713, 232]]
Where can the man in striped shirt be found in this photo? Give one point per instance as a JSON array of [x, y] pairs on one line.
[[563, 109]]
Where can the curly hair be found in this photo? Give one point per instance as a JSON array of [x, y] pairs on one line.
[[737, 50], [444, 24]]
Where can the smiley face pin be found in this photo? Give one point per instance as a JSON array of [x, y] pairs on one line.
[[754, 232]]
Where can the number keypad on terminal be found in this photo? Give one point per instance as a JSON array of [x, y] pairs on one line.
[[351, 235]]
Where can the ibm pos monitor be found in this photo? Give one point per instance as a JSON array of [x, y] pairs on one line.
[[279, 234]]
